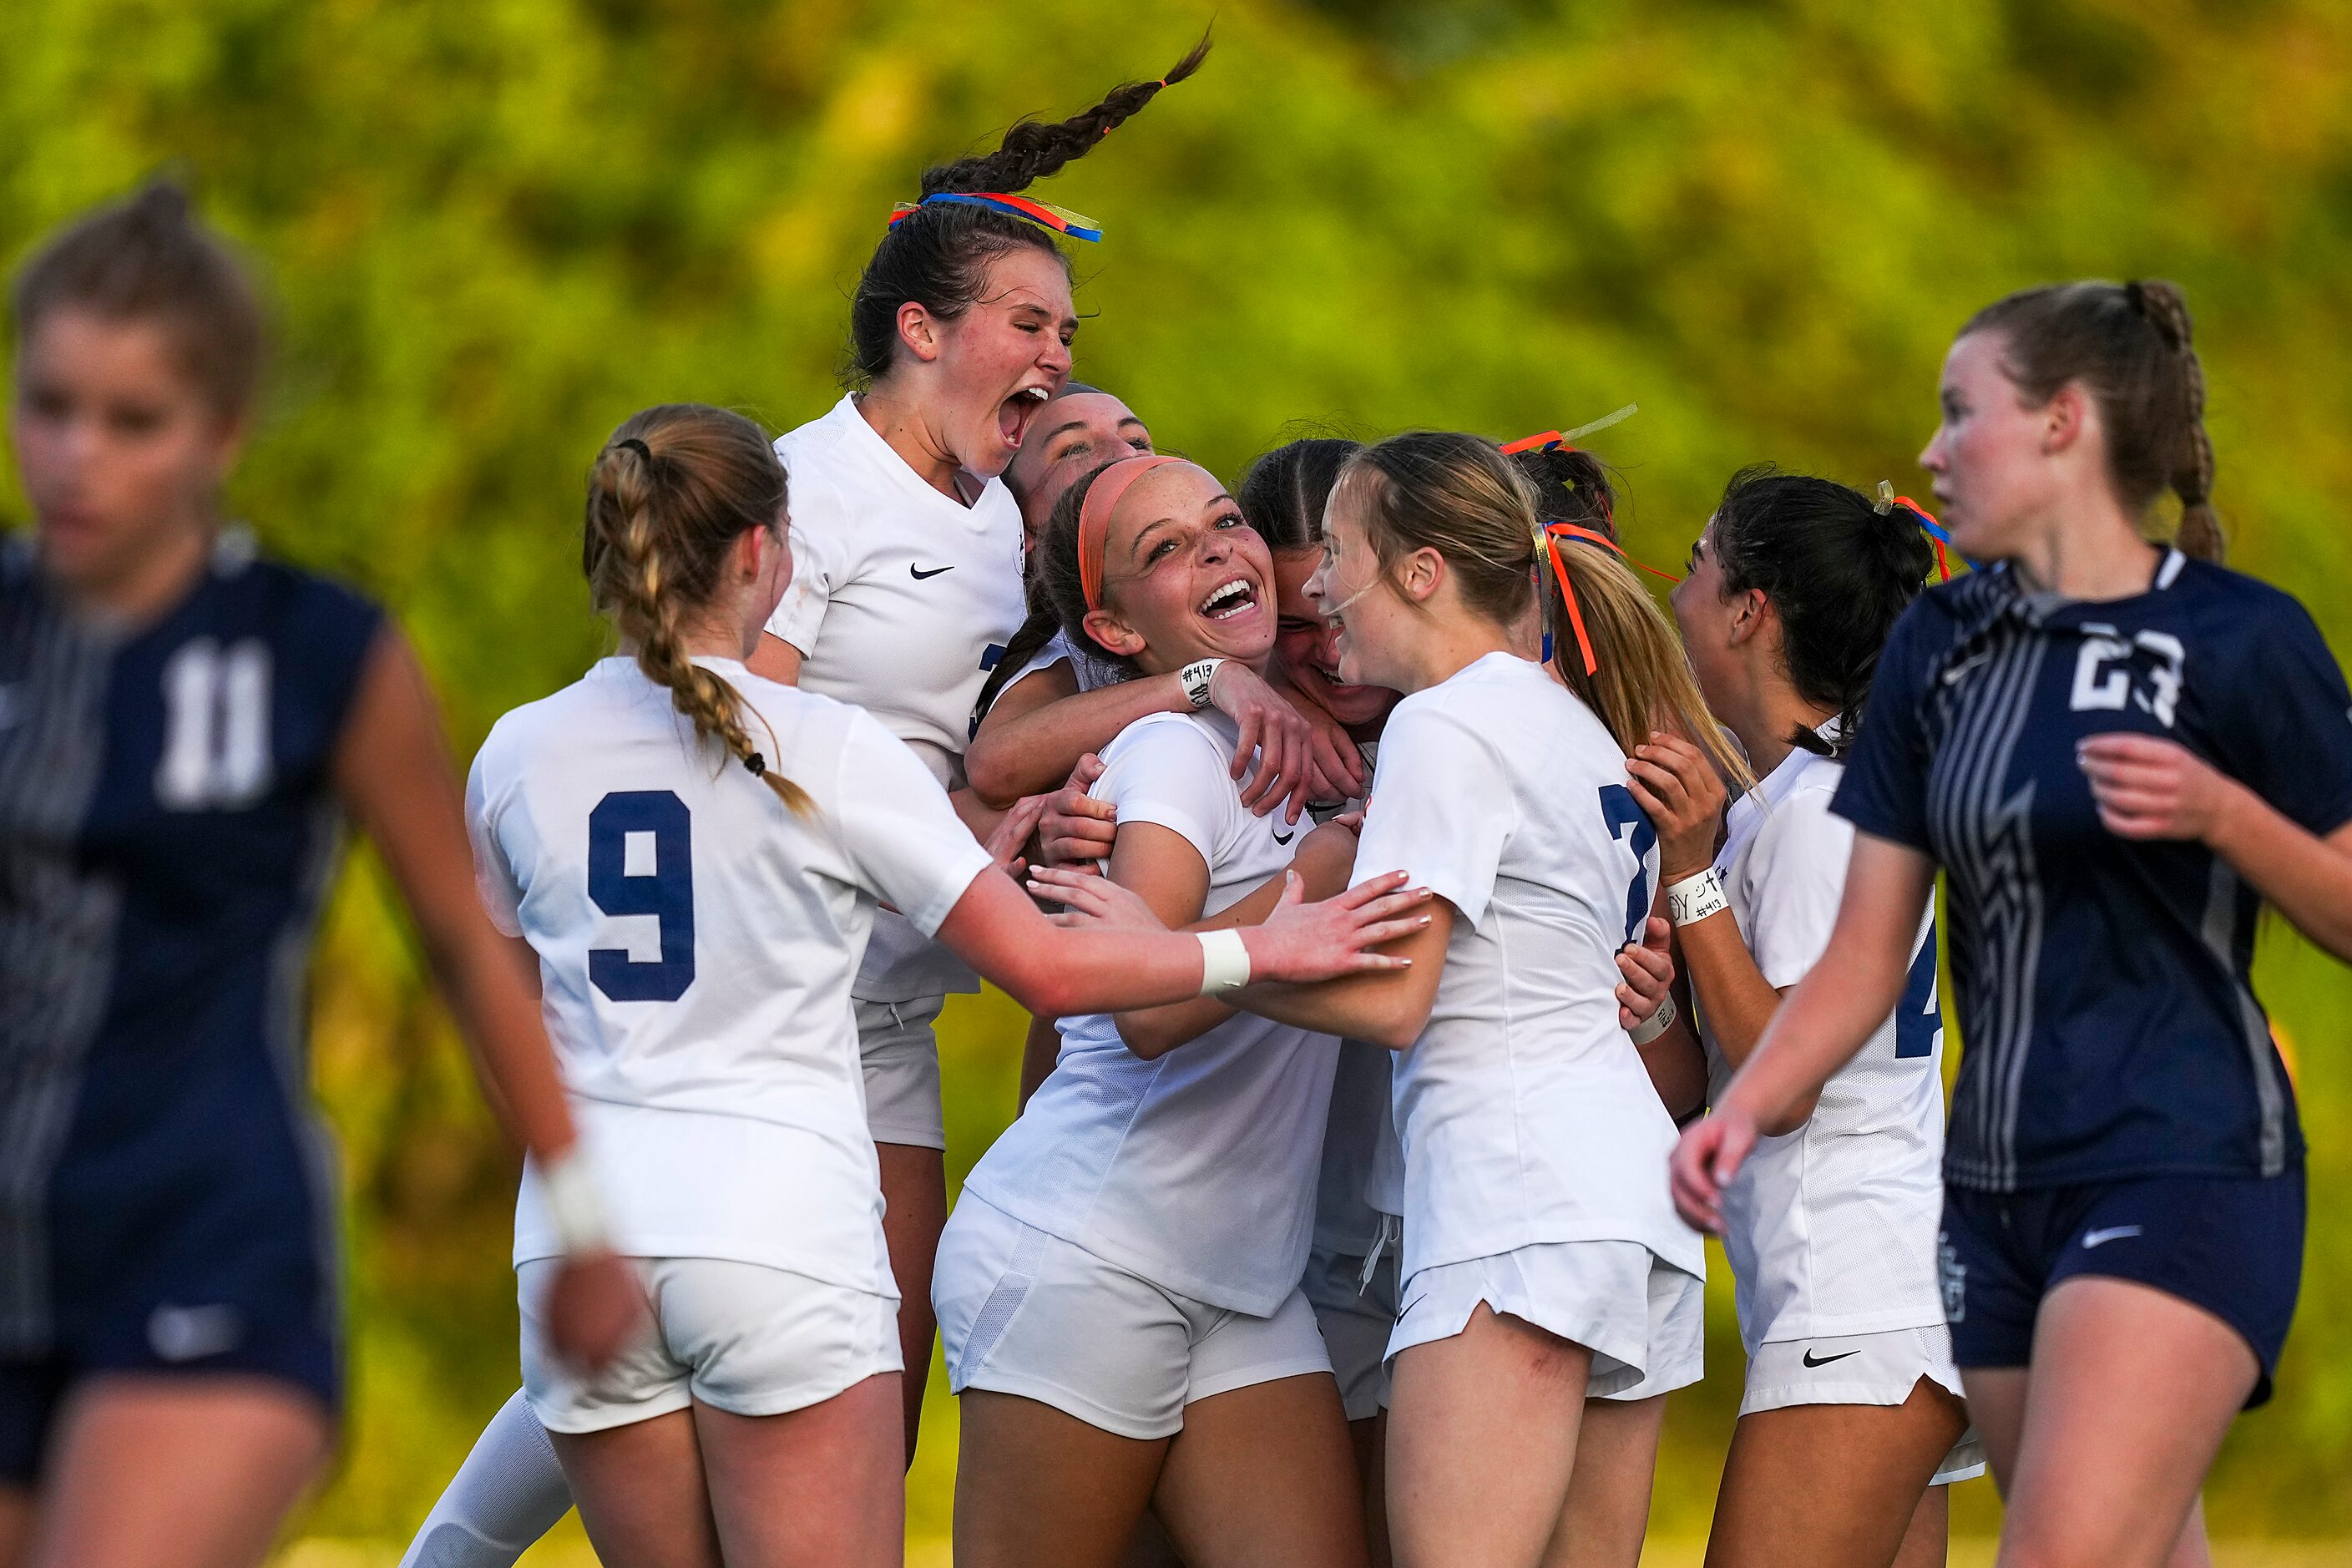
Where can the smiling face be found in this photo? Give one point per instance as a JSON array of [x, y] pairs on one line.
[[1184, 576], [1306, 647], [1074, 435], [1990, 457], [117, 445], [1002, 359]]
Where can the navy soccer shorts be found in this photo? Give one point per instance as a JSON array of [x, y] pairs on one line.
[[2232, 1245]]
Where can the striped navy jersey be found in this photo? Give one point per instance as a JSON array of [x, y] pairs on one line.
[[2110, 1024], [167, 826]]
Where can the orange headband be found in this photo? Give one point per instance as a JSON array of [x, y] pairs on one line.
[[1093, 516]]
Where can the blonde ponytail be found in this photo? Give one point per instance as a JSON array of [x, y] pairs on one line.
[[1642, 682], [667, 499]]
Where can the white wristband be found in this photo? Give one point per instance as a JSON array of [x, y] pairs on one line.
[[1658, 1022], [576, 1207], [1693, 898], [1224, 962], [1197, 677]]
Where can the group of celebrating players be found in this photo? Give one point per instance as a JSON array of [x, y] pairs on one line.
[[1390, 878]]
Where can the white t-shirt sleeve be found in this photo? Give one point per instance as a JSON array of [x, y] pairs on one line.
[[1797, 877], [908, 846], [494, 877], [1169, 773], [1441, 810], [819, 565]]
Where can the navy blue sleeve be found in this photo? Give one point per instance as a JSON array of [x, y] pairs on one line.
[[1885, 791], [2290, 741]]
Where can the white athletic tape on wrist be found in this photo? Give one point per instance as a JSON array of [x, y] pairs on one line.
[[1693, 898], [1224, 962], [575, 1207], [1659, 1023]]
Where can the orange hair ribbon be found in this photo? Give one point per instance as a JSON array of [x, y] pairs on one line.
[[1093, 516]]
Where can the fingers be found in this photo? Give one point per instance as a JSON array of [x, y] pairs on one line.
[[1088, 769], [1371, 888], [1662, 784], [1298, 755], [1250, 727], [1353, 821], [1367, 962], [1638, 962], [1392, 905], [1658, 932], [1690, 1177], [1382, 933]]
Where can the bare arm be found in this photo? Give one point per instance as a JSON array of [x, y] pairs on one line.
[[2152, 788], [1827, 1016], [1055, 971], [393, 770], [1389, 1009], [1327, 856]]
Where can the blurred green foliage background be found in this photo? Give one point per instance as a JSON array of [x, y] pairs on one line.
[[496, 227]]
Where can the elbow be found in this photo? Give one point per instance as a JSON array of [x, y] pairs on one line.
[[1142, 1040], [1044, 988], [990, 774], [1395, 1031], [1798, 1112]]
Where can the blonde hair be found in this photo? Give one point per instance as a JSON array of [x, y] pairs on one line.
[[1644, 681], [670, 495]]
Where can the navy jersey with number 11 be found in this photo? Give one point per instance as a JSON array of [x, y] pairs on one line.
[[2111, 1026]]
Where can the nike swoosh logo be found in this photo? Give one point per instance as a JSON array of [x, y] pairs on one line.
[[1285, 838], [1827, 1358], [2092, 1238], [919, 574]]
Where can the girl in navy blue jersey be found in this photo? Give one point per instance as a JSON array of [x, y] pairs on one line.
[[182, 725], [2117, 751]]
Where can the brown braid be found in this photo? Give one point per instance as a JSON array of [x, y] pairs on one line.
[[670, 494], [2192, 477], [1033, 149]]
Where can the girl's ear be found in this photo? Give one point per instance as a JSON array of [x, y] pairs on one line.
[[1749, 612], [1114, 634], [2065, 417], [1419, 574], [918, 332]]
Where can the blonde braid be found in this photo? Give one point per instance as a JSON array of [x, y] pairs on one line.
[[634, 588]]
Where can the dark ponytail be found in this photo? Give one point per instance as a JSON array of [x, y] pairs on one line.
[[1571, 485], [2130, 344], [938, 257], [1837, 570]]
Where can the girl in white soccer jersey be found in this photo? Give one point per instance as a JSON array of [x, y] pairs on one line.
[[1853, 1403], [1540, 1264], [699, 1001], [1118, 1290], [909, 587]]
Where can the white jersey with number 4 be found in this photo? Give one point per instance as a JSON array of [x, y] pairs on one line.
[[696, 942], [902, 600], [1831, 1230]]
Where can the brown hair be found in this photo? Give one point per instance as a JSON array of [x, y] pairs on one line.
[[2129, 344], [670, 495], [1644, 682], [938, 256], [150, 258], [1459, 496]]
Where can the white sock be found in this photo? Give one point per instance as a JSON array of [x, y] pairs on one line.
[[507, 1493]]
